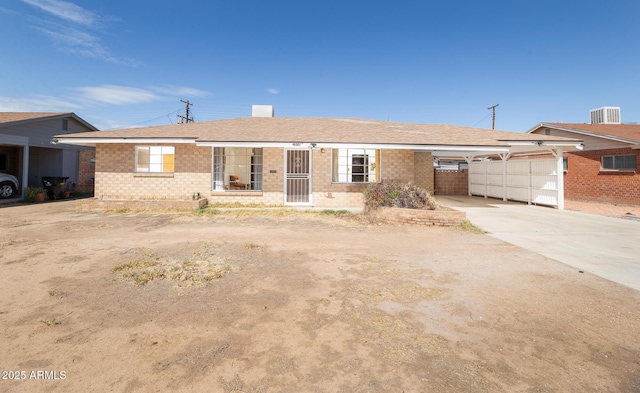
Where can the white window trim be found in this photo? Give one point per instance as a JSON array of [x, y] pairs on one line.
[[349, 174], [136, 169]]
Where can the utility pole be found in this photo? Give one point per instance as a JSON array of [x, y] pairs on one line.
[[185, 119], [493, 116]]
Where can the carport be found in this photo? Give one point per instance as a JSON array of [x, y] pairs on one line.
[[26, 151], [509, 172]]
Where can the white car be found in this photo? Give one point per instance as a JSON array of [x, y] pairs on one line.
[[8, 185]]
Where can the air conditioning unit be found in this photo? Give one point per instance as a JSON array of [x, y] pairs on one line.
[[605, 115]]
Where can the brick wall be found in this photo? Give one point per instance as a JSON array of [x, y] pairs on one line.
[[86, 170], [115, 177], [584, 179], [424, 172], [395, 165], [452, 182], [441, 218]]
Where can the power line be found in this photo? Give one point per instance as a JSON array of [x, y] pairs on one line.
[[142, 122]]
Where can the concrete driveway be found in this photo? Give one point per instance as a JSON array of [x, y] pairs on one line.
[[605, 246]]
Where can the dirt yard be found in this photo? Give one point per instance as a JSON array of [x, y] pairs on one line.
[[301, 303]]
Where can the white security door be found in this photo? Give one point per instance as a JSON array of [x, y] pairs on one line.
[[297, 184]]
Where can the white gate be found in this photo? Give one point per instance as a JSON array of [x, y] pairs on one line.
[[531, 181], [297, 184]]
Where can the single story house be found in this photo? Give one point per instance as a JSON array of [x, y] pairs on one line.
[[26, 151], [606, 169], [322, 162]]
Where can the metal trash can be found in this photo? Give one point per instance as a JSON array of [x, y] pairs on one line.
[[54, 186]]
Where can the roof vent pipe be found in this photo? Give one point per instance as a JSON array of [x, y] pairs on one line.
[[261, 110]]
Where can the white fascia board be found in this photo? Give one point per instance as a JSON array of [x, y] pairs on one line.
[[95, 141], [543, 142], [476, 152], [381, 146]]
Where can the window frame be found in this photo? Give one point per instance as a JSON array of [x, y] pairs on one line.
[[164, 165], [343, 160], [617, 157], [251, 179]]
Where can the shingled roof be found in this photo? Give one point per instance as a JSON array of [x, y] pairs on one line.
[[14, 118], [624, 132], [274, 130]]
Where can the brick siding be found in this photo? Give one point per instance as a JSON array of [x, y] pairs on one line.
[[452, 182], [584, 179], [115, 177], [424, 172], [86, 170], [442, 218]]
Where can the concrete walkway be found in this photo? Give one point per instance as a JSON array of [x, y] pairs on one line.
[[605, 246]]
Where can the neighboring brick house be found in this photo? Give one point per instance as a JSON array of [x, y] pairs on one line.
[[606, 170], [27, 153], [280, 161]]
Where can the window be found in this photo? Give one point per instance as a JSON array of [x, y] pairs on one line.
[[356, 166], [65, 125], [565, 164], [3, 162], [619, 162], [237, 169], [155, 159]]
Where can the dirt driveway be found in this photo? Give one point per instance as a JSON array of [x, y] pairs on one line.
[[301, 303]]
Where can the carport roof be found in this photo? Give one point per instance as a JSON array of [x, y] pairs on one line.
[[322, 132]]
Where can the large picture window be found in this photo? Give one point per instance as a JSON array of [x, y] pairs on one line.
[[237, 169], [155, 159], [356, 166], [627, 162]]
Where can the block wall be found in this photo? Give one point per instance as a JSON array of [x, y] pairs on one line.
[[585, 180], [86, 170], [441, 218], [451, 182], [115, 177], [424, 171], [395, 165]]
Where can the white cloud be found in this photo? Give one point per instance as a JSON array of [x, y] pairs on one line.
[[180, 91], [116, 95], [79, 39], [37, 103], [273, 90], [65, 10], [71, 40]]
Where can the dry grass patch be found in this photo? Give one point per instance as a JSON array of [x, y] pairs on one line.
[[203, 266]]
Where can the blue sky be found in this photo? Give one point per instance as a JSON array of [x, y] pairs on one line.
[[121, 63]]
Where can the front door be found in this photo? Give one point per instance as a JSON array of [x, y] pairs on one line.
[[297, 184]]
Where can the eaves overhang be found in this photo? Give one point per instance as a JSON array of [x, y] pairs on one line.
[[353, 145], [97, 141], [582, 132]]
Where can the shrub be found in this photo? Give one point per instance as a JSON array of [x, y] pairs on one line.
[[32, 193], [394, 194]]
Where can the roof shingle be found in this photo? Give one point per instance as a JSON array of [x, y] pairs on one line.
[[324, 130]]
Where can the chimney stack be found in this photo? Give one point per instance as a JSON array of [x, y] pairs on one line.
[[261, 110]]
